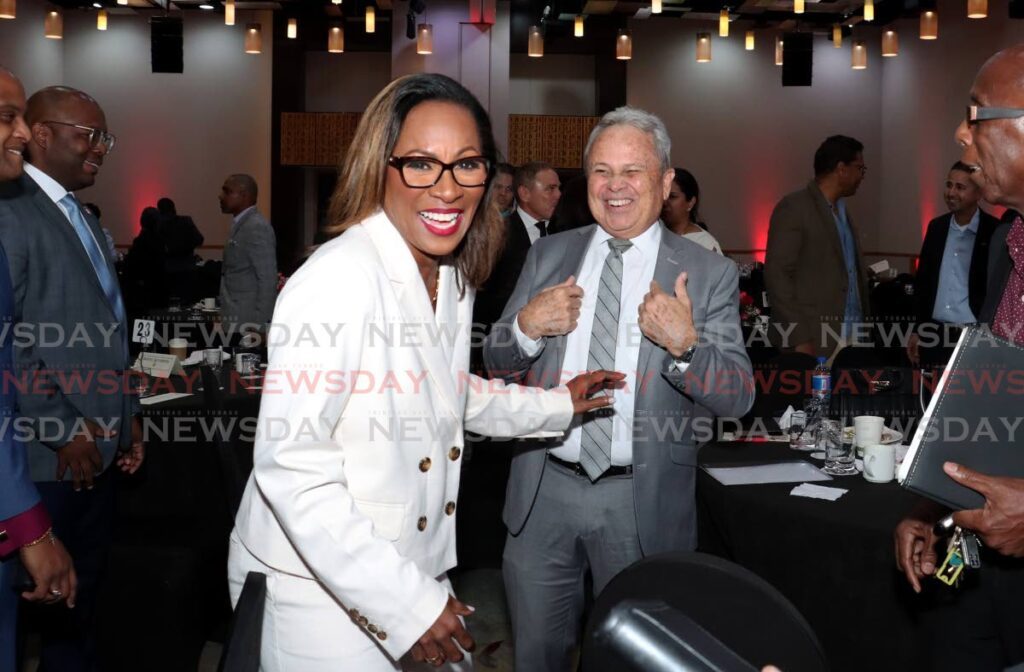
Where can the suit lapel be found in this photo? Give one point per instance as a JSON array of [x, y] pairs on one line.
[[828, 220], [576, 247], [50, 212], [401, 269]]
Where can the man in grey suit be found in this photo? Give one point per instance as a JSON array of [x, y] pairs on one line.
[[619, 486], [248, 282], [813, 269], [64, 282]]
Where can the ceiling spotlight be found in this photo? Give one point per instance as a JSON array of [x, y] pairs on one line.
[[97, 5], [206, 7]]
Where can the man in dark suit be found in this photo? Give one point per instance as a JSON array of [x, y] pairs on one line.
[[618, 487], [537, 190], [25, 527], [989, 608], [813, 269], [952, 270], [504, 186], [77, 407], [181, 238]]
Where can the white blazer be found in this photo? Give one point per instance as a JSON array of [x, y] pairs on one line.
[[360, 433]]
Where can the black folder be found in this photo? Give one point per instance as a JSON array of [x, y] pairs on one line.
[[975, 418]]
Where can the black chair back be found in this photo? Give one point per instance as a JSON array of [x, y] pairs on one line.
[[242, 647]]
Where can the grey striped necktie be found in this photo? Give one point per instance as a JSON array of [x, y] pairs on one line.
[[596, 441]]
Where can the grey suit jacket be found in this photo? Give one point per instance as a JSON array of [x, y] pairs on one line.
[[69, 346], [804, 269], [248, 283], [718, 382]]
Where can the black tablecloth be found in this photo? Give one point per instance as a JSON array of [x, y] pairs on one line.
[[834, 560]]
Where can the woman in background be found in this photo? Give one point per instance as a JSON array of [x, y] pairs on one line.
[[681, 211], [350, 507]]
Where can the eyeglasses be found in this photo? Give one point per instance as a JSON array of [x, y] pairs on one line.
[[976, 113], [97, 136], [421, 172]]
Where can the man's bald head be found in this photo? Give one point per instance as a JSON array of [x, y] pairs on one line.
[[66, 143], [13, 131]]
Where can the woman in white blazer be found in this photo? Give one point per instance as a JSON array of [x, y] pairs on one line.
[[350, 509]]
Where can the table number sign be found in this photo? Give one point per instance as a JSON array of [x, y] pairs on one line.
[[142, 331]]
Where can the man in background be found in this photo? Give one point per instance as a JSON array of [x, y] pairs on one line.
[[504, 188], [248, 284], [181, 238], [813, 269], [949, 288]]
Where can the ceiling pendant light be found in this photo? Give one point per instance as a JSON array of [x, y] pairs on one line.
[[749, 41], [929, 25], [703, 47], [8, 10], [624, 45], [371, 19], [535, 43], [655, 6], [53, 25], [293, 28], [122, 2], [977, 9], [336, 2], [778, 50], [798, 6], [890, 44], [425, 39], [859, 55], [336, 40], [229, 12], [253, 39], [723, 23], [101, 20], [577, 26], [869, 10], [837, 35]]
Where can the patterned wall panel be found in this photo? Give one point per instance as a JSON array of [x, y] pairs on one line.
[[316, 138], [558, 140]]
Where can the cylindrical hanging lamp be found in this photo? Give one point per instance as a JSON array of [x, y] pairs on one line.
[[577, 26], [535, 43], [837, 35], [229, 12], [53, 25], [859, 55], [749, 41], [101, 20], [977, 9], [890, 44], [335, 40], [723, 23], [703, 47], [425, 39], [371, 19], [929, 25], [253, 39], [624, 45], [869, 10], [8, 9], [778, 50]]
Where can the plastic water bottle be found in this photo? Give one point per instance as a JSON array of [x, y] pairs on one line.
[[821, 383]]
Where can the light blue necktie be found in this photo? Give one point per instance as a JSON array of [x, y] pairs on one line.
[[596, 441], [99, 263]]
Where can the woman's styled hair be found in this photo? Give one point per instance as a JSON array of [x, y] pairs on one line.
[[687, 184], [363, 172]]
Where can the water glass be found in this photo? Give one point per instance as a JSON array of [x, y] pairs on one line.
[[797, 429], [838, 448]]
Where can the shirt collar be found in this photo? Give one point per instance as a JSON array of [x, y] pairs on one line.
[[237, 218], [528, 220], [647, 243], [972, 225], [50, 186]]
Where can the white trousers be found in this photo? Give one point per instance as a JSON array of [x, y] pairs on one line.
[[306, 630]]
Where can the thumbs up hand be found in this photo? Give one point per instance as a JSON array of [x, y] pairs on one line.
[[668, 320], [554, 311]]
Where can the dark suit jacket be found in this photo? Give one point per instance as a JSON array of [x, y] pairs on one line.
[[926, 282], [804, 268], [999, 267], [56, 289], [181, 238], [491, 299]]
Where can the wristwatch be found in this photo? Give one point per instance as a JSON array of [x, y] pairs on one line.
[[687, 354]]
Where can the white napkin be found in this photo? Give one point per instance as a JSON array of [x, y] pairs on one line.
[[783, 422], [817, 492]]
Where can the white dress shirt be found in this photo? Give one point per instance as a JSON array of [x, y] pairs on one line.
[[530, 223], [638, 264]]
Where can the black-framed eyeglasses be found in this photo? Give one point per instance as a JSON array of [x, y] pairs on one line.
[[97, 136], [421, 172], [976, 113]]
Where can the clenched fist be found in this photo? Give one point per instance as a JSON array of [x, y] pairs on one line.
[[668, 320], [553, 312]]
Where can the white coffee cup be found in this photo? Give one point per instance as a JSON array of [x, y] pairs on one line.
[[178, 347], [210, 303], [867, 430], [879, 463]]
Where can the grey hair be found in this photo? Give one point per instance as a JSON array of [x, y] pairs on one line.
[[641, 120]]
